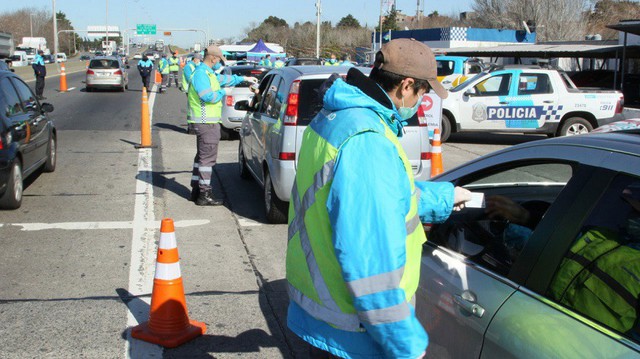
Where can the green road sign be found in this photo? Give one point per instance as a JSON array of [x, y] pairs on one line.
[[145, 29]]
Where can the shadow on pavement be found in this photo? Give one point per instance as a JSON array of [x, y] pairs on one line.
[[486, 138], [160, 180], [168, 126], [247, 200]]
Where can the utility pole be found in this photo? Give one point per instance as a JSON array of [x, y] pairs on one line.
[[31, 23], [380, 26], [318, 28], [55, 30], [107, 24]]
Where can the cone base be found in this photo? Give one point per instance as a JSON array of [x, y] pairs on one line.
[[143, 146], [171, 340]]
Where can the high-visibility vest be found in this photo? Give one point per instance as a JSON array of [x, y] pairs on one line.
[[600, 278], [174, 64], [265, 62], [163, 66], [314, 274], [204, 112], [328, 63], [278, 64]]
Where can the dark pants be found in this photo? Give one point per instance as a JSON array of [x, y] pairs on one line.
[[173, 75], [316, 353], [39, 85], [145, 82], [207, 139], [163, 85]]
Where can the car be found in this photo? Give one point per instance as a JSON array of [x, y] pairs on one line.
[[546, 287], [48, 59], [137, 56], [627, 124], [106, 72], [302, 61], [454, 70], [232, 118], [271, 132], [85, 57], [28, 138]]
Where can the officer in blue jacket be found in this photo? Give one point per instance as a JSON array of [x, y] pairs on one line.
[[40, 71], [355, 239], [145, 67]]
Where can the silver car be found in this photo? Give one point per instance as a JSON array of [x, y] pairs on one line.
[[106, 72], [270, 136], [562, 282]]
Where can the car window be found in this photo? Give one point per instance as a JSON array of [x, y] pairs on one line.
[[27, 98], [497, 85], [269, 103], [516, 200], [534, 84], [599, 276], [104, 64], [445, 68], [280, 98], [310, 102], [250, 71], [474, 69], [10, 101], [263, 90]]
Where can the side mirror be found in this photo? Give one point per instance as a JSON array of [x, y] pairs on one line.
[[470, 92], [242, 105], [46, 107]]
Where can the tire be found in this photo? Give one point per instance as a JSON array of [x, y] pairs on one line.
[[446, 128], [52, 155], [224, 133], [88, 89], [575, 126], [275, 208], [242, 164], [12, 198]]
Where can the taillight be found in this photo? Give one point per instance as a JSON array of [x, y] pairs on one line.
[[287, 156], [1, 144], [256, 72], [90, 72], [291, 116], [425, 156], [229, 100], [118, 72], [620, 105]]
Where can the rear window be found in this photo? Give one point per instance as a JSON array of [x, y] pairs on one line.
[[257, 73], [310, 101], [445, 68], [104, 64]]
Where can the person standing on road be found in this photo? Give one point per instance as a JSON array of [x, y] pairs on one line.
[[163, 67], [145, 67], [40, 71], [333, 61], [355, 233], [205, 106], [346, 61], [187, 76], [266, 61], [174, 69]]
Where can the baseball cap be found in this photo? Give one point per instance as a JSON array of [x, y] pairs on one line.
[[198, 56], [215, 51], [411, 58]]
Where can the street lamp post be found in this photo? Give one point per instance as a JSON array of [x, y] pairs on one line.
[[31, 23], [318, 7], [55, 30]]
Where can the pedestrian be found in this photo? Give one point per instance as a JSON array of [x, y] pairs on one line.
[[346, 61], [187, 76], [278, 63], [163, 67], [355, 233], [206, 92], [333, 61], [266, 61], [40, 71], [145, 67], [174, 69]]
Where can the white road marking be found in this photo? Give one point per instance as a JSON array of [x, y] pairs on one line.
[[246, 222], [75, 226], [70, 89], [143, 250]]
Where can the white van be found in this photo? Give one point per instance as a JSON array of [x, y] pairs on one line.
[[61, 57], [19, 58]]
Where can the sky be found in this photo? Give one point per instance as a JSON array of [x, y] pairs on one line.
[[219, 19]]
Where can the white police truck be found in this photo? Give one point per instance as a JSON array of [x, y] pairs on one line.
[[527, 99]]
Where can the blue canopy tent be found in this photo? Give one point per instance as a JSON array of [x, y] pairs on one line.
[[260, 50]]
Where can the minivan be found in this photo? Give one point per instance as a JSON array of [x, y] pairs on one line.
[[272, 131]]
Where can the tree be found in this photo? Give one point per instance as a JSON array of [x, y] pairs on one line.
[[607, 12], [275, 21], [390, 21], [348, 21]]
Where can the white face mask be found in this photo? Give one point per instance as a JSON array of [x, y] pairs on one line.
[[408, 112]]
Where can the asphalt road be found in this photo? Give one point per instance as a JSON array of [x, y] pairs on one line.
[[77, 259]]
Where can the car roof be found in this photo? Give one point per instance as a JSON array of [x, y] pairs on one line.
[[314, 70], [246, 67], [105, 58]]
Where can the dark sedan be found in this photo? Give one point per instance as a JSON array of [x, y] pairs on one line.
[[27, 138]]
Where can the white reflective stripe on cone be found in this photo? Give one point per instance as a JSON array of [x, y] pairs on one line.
[[436, 149], [168, 241], [195, 178], [436, 136], [168, 271]]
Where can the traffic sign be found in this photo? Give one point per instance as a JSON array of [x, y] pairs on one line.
[[146, 29], [167, 33]]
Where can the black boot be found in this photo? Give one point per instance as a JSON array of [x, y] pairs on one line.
[[195, 193], [206, 199]]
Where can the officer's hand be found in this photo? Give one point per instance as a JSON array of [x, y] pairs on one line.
[[253, 80], [227, 91], [460, 197]]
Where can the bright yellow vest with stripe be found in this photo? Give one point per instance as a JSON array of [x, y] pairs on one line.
[[204, 112], [163, 66], [174, 64], [317, 284], [600, 278]]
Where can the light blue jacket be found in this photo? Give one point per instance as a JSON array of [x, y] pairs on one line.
[[369, 198], [189, 69], [38, 60], [202, 84]]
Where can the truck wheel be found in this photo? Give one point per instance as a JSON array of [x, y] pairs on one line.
[[445, 130], [575, 126], [12, 197], [275, 208]]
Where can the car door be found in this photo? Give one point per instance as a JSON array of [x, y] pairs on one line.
[[535, 91], [471, 264], [483, 107], [580, 300], [39, 126], [255, 125], [18, 122]]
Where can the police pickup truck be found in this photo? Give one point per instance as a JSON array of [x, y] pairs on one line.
[[527, 99]]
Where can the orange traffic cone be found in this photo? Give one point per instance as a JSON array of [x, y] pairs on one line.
[[436, 154], [145, 122], [169, 323], [63, 78], [182, 62], [158, 77]]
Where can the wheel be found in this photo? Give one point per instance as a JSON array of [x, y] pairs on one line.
[[88, 89], [224, 133], [126, 86], [275, 208], [50, 164], [12, 198], [575, 126], [445, 131], [242, 164]]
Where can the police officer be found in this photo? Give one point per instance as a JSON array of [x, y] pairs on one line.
[[205, 107], [346, 61], [266, 61], [278, 63], [174, 69], [145, 67], [332, 62], [187, 76], [163, 67], [40, 71]]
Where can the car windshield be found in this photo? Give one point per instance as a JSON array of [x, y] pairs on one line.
[[104, 64], [248, 71], [464, 84]]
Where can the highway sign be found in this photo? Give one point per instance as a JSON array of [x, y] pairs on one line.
[[145, 29]]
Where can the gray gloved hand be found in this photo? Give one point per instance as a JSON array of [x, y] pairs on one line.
[[251, 79], [227, 90], [460, 197]]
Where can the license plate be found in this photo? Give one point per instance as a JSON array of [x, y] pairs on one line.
[[102, 73]]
